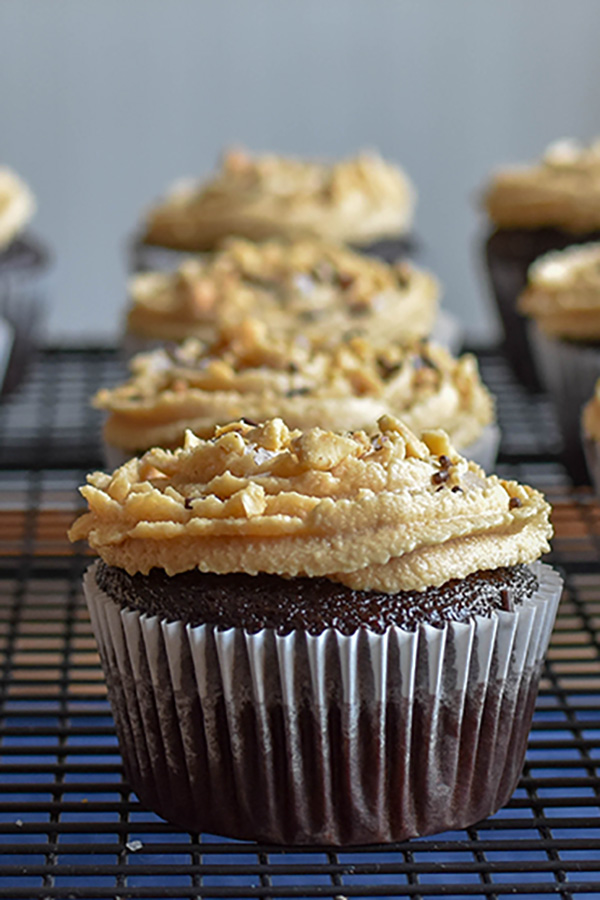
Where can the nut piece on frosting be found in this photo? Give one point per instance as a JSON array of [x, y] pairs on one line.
[[563, 293], [17, 206], [309, 286], [357, 200], [251, 372], [386, 511], [562, 190]]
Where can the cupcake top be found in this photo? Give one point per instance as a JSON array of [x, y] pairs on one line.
[[591, 415], [563, 293], [357, 200], [309, 286], [249, 372], [17, 206], [384, 512], [562, 190]]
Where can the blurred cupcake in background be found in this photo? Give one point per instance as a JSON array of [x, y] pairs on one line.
[[590, 432], [363, 201], [562, 299], [324, 291], [533, 209], [22, 262], [248, 372]]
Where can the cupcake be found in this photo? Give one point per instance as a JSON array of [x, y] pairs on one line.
[[317, 288], [534, 209], [303, 638], [363, 201], [590, 431], [247, 371], [22, 261], [562, 299]]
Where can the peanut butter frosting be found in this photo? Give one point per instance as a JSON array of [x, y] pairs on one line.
[[385, 511], [591, 415], [563, 293], [562, 190], [17, 206], [251, 373], [311, 286], [357, 200]]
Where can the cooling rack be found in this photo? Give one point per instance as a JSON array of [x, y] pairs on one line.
[[70, 826]]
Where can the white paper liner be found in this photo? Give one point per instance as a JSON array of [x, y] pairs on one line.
[[448, 331], [569, 372], [331, 739]]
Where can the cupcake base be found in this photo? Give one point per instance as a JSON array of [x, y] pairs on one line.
[[331, 739], [509, 253]]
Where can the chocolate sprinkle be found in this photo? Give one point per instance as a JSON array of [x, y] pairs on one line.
[[440, 477], [514, 503], [298, 392], [187, 503]]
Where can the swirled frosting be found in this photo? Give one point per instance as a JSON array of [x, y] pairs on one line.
[[385, 512], [591, 415], [309, 286], [357, 200], [249, 372], [17, 206], [563, 293], [562, 190]]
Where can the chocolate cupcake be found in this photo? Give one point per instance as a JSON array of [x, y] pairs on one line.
[[302, 636], [363, 201], [535, 209], [562, 299], [320, 290], [344, 385], [22, 262]]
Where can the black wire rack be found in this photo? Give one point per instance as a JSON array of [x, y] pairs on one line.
[[71, 827]]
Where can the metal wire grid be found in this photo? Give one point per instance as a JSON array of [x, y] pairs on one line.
[[69, 826]]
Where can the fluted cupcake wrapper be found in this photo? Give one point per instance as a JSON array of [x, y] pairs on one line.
[[569, 372], [332, 739]]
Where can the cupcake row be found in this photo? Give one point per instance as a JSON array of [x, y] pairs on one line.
[[318, 620]]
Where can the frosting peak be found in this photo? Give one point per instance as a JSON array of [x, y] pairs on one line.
[[388, 511], [356, 200]]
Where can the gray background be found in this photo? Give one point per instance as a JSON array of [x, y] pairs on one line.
[[104, 102]]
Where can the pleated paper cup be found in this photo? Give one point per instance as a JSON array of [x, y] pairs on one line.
[[332, 739], [569, 372], [484, 450]]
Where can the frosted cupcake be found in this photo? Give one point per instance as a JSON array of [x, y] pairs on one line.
[[302, 636], [22, 262], [563, 300], [249, 372], [545, 206], [363, 201], [590, 430], [317, 288]]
